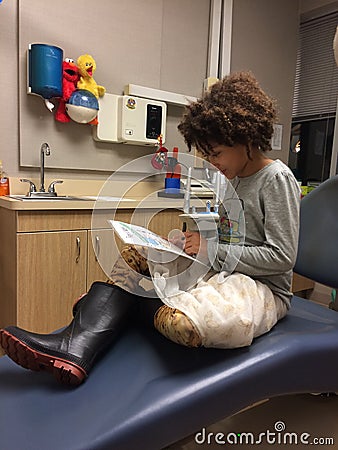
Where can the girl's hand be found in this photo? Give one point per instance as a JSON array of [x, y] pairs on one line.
[[195, 244], [177, 238]]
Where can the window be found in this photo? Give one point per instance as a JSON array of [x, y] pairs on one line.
[[315, 100]]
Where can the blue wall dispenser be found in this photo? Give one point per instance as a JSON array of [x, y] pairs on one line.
[[45, 72]]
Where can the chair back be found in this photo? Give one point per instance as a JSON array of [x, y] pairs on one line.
[[317, 256]]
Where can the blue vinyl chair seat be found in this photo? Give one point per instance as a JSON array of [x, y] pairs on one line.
[[148, 392]]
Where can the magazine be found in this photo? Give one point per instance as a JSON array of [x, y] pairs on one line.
[[137, 235]]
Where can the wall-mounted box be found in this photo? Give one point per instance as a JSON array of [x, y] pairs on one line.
[[106, 130], [131, 120], [141, 121]]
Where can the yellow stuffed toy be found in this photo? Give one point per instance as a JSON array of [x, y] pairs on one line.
[[87, 66]]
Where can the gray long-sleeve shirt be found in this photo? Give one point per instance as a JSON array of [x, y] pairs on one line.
[[259, 228]]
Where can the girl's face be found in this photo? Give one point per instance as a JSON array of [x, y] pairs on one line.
[[231, 161]]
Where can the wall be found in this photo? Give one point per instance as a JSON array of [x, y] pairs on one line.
[[264, 41], [132, 42], [9, 129], [156, 43]]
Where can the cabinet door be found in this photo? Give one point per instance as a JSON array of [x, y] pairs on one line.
[[102, 253], [165, 221], [103, 246], [52, 275], [300, 283]]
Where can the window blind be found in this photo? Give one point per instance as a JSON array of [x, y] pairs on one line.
[[316, 83]]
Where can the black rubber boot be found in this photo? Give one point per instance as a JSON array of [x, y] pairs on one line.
[[70, 354], [143, 313]]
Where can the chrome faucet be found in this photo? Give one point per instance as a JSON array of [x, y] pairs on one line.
[[44, 150], [33, 192]]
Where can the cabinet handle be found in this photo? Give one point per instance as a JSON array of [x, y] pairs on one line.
[[78, 249], [97, 247]]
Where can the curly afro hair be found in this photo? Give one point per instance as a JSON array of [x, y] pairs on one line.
[[234, 111]]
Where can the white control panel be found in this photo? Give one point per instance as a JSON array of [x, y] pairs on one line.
[[130, 120], [141, 120]]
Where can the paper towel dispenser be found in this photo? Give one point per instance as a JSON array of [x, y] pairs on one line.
[[44, 71], [130, 120]]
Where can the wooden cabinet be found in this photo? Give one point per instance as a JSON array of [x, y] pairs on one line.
[[51, 271], [50, 258], [103, 249], [46, 271], [101, 252], [302, 286]]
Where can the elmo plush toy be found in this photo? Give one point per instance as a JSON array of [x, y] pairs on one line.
[[70, 77]]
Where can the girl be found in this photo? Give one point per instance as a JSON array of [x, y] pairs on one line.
[[247, 289]]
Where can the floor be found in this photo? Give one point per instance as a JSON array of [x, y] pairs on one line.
[[296, 414]]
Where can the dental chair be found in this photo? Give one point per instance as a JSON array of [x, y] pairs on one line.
[[148, 392]]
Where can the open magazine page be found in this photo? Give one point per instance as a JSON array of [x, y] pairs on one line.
[[137, 235]]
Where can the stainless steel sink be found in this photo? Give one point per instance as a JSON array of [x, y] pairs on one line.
[[41, 197]]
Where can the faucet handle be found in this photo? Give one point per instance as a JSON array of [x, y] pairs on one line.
[[51, 187], [32, 187]]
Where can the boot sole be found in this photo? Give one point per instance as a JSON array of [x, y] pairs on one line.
[[64, 371]]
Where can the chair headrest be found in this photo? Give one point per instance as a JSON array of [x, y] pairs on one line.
[[317, 256]]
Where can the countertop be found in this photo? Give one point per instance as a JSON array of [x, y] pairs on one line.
[[91, 202]]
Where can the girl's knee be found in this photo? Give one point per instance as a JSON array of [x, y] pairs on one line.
[[135, 259], [177, 327]]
